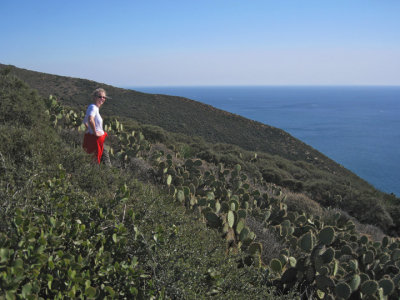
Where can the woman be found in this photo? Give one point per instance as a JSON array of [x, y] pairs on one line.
[[93, 142]]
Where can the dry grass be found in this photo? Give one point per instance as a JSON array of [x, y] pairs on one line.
[[141, 170], [302, 203], [272, 246]]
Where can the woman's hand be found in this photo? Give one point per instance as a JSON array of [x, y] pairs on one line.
[[99, 133]]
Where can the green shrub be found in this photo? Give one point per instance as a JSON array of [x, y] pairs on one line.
[[302, 204]]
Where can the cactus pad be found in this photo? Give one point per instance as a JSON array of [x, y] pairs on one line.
[[369, 287], [276, 265], [343, 290], [355, 282], [213, 220], [306, 242], [255, 248], [387, 285], [230, 218], [326, 235]]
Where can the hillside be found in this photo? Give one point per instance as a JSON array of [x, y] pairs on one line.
[[180, 115], [174, 217], [70, 229], [281, 158]]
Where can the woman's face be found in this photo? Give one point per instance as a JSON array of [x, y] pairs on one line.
[[100, 99]]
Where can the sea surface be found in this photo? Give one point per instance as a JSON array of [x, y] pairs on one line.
[[358, 127]]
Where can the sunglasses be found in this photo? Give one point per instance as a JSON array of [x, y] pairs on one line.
[[102, 97]]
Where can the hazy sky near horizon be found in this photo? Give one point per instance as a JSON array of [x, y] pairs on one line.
[[208, 42]]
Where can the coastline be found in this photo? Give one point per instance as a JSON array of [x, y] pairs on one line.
[[353, 125]]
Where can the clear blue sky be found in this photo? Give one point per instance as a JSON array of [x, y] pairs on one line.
[[206, 42]]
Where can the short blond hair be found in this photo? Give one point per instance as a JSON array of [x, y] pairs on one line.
[[96, 93]]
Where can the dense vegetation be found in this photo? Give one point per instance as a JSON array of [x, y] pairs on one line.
[[72, 229], [281, 159]]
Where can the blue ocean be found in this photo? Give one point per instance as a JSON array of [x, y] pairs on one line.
[[358, 127]]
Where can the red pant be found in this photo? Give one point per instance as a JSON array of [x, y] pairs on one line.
[[94, 144]]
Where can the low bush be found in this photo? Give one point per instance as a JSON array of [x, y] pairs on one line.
[[302, 203]]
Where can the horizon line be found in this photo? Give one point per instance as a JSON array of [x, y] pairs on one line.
[[258, 85]]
